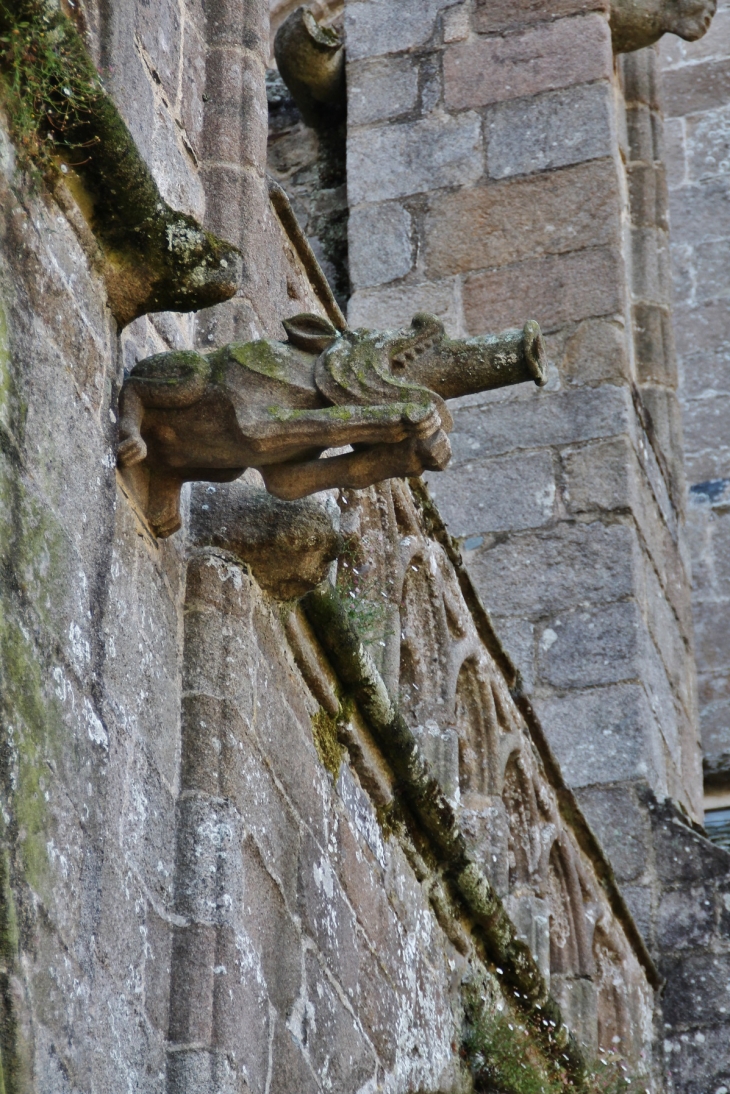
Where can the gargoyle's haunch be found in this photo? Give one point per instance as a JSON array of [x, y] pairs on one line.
[[278, 406]]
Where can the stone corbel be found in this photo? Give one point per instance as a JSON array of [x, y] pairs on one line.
[[636, 24]]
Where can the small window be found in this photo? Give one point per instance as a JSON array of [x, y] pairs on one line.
[[717, 826]]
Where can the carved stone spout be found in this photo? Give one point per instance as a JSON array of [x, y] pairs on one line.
[[639, 23], [277, 406]]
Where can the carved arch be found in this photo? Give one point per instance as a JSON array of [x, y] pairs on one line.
[[570, 933], [523, 812]]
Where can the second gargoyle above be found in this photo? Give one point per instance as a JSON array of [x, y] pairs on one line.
[[277, 406]]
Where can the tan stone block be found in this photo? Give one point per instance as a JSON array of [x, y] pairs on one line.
[[493, 15], [543, 58], [594, 352], [506, 222], [555, 290]]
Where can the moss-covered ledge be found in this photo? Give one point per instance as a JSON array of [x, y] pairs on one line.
[[422, 792], [66, 127]]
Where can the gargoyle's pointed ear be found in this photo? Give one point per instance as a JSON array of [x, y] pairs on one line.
[[310, 332]]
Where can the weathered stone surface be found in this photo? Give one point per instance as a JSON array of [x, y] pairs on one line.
[[497, 225], [558, 290], [496, 15], [555, 129], [381, 247], [381, 89], [509, 493], [373, 29], [542, 58], [385, 162]]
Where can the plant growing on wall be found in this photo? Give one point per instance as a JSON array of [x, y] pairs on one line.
[[64, 124]]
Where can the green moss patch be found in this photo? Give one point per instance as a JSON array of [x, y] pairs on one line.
[[326, 741]]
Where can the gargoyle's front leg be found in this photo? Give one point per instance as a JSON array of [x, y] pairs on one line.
[[358, 470], [333, 426], [131, 448]]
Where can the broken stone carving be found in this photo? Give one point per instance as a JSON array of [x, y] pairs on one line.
[[639, 23], [311, 63], [277, 406], [288, 545]]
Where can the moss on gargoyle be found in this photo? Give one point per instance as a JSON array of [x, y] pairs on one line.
[[64, 124]]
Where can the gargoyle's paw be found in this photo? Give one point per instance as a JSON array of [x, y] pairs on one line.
[[435, 452], [130, 451], [422, 421]]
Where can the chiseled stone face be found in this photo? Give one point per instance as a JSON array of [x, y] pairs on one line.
[[639, 23]]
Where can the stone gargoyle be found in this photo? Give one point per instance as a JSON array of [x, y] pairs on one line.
[[277, 406]]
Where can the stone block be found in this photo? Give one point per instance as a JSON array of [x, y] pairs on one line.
[[518, 638], [541, 58], [273, 932], [541, 419], [497, 225], [685, 919], [290, 1065], [210, 879], [531, 917], [331, 1023], [654, 343], [705, 325], [603, 735], [380, 246], [593, 351], [714, 708], [650, 268], [591, 646], [695, 88], [706, 439], [578, 1002], [683, 856], [675, 157], [639, 902], [380, 89], [699, 1060], [230, 23], [555, 129], [236, 119], [513, 492], [157, 970], [569, 564], [707, 144], [497, 15], [392, 161], [326, 915], [395, 307], [191, 985], [372, 28], [456, 23], [695, 985], [708, 263], [556, 290], [599, 476], [648, 195], [701, 213]]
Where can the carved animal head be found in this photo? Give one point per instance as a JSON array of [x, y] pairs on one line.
[[420, 362], [639, 23]]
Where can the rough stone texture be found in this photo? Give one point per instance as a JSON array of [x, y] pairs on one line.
[[570, 504], [697, 98]]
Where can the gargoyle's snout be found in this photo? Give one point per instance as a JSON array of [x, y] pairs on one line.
[[425, 333]]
